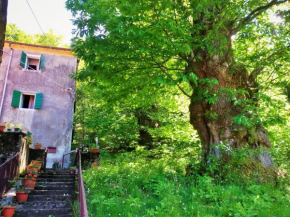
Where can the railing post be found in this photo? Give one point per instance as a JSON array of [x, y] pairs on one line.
[[44, 160], [82, 194], [81, 188], [77, 151], [62, 161]]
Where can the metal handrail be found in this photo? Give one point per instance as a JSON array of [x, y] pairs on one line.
[[44, 159], [82, 193], [73, 151], [9, 171]]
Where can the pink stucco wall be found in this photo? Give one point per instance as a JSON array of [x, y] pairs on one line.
[[52, 124]]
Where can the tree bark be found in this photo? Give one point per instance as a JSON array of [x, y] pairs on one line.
[[3, 21], [143, 119], [214, 122]]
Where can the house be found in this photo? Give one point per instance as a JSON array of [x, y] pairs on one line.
[[37, 91]]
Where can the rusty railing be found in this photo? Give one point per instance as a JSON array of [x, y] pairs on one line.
[[9, 171], [75, 159], [44, 159], [70, 160], [82, 193]]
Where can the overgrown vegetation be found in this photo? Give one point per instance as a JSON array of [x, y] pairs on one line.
[[153, 183], [184, 83], [145, 61]]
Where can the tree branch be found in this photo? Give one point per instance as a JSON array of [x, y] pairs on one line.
[[255, 13], [254, 74], [164, 68], [180, 88], [262, 65]]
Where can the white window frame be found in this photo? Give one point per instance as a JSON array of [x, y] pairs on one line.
[[21, 99], [31, 56]]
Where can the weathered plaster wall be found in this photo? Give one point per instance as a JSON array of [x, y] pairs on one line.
[[52, 124], [10, 144]]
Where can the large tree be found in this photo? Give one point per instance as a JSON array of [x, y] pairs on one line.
[[3, 21], [189, 43]]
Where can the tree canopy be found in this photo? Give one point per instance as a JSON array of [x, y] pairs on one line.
[[222, 56], [13, 33]]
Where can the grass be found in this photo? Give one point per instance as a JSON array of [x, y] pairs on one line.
[[133, 184]]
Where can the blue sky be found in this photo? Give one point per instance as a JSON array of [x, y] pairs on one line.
[[51, 14]]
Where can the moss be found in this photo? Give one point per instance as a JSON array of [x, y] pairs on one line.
[[249, 169]]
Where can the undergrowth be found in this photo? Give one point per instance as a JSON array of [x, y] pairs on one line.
[[142, 184]]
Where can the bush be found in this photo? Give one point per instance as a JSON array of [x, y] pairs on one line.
[[131, 184]]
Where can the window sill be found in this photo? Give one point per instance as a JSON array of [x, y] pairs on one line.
[[29, 70], [27, 109]]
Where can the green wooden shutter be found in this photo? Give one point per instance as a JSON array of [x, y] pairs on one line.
[[23, 59], [41, 62], [38, 101], [16, 98]]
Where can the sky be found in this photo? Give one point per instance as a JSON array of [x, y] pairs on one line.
[[51, 14]]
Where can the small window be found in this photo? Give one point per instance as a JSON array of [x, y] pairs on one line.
[[31, 62], [27, 101]]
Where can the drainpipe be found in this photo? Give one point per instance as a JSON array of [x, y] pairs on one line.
[[5, 83]]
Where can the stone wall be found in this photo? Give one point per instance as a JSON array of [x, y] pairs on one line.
[[10, 144], [11, 163]]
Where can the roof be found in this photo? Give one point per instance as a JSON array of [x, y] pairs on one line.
[[38, 48]]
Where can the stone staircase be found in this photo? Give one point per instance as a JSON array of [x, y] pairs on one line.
[[53, 196]]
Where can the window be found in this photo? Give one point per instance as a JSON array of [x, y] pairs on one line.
[[26, 100], [31, 62]]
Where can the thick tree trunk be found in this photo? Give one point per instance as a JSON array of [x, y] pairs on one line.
[[145, 138], [214, 122], [3, 21]]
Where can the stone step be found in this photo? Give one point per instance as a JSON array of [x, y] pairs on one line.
[[37, 215], [50, 192], [53, 195], [59, 176], [44, 205], [56, 172], [54, 187], [40, 179], [49, 198], [65, 212], [55, 183], [70, 182]]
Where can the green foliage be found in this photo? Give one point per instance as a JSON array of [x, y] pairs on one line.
[[166, 54], [153, 50], [242, 120], [211, 115], [135, 184], [49, 39], [151, 54], [115, 120]]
